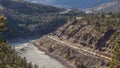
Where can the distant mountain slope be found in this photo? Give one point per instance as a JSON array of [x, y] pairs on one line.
[[72, 3], [28, 8], [113, 6]]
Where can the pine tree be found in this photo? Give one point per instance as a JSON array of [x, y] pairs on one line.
[[30, 65], [115, 63]]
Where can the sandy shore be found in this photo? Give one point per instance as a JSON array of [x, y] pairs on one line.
[[66, 64]]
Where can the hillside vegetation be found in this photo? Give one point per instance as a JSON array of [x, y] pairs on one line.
[[115, 63], [27, 19], [8, 56], [96, 33], [83, 40], [10, 59]]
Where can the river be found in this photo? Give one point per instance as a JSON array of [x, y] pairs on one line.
[[34, 55]]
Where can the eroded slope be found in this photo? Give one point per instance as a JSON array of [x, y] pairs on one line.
[[84, 41]]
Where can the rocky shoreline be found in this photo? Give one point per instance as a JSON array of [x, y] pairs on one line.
[[66, 64], [71, 57]]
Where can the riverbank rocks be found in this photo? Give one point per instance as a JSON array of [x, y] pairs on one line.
[[68, 54]]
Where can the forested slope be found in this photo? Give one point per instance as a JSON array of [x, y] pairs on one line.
[[26, 19], [10, 59], [8, 56]]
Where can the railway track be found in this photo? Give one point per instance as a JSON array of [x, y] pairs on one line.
[[94, 54]]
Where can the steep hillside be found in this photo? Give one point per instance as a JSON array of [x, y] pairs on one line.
[[92, 37], [96, 32], [26, 19], [77, 59]]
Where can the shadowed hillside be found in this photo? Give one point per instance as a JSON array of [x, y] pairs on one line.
[[27, 19]]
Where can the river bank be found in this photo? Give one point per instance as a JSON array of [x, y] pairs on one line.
[[21, 44], [36, 56], [61, 60]]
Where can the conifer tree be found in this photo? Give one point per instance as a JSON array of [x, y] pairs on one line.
[[115, 63]]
